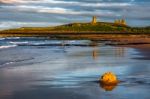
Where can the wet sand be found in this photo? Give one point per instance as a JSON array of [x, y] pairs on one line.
[[72, 72], [143, 49], [119, 38]]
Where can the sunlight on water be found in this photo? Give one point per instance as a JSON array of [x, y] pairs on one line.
[[70, 68]]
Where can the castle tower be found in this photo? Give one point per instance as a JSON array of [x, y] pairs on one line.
[[94, 20], [116, 22], [120, 21], [123, 22]]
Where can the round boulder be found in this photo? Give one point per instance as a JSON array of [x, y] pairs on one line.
[[109, 78]]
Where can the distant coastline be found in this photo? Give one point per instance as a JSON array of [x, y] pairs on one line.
[[118, 26], [118, 31]]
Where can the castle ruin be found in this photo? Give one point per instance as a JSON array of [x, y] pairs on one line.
[[94, 20], [120, 22]]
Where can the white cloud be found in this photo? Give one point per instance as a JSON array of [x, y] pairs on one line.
[[14, 24], [98, 4], [11, 1], [49, 9], [57, 10]]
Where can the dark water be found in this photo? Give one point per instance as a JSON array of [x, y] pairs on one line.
[[32, 69]]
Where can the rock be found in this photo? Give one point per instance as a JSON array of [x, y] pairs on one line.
[[109, 78], [108, 87]]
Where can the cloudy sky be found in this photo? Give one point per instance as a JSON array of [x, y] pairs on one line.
[[19, 13]]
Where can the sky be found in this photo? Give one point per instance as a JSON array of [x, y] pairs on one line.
[[25, 13]]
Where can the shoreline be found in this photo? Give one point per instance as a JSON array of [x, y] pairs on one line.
[[143, 49], [141, 42], [61, 73], [115, 38]]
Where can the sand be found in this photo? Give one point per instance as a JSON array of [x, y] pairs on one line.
[[72, 72], [143, 49]]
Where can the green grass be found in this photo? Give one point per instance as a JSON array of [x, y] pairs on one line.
[[77, 27]]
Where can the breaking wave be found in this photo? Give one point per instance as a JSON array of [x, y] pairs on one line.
[[7, 46], [2, 39], [16, 43]]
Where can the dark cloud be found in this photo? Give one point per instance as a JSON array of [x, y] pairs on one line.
[[53, 12]]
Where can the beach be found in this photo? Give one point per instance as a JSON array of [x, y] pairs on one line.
[[117, 38], [143, 49], [30, 68]]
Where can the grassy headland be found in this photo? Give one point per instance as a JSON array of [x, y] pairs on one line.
[[99, 27], [97, 31]]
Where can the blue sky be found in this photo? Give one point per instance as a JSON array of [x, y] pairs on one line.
[[22, 13]]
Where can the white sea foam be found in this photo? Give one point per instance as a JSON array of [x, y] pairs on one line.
[[2, 38], [7, 46], [8, 63], [18, 42], [13, 38]]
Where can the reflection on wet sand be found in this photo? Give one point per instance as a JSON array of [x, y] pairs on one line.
[[95, 53], [108, 81], [108, 87], [120, 51], [68, 72]]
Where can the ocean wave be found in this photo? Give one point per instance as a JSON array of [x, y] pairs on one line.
[[41, 42], [13, 38], [2, 39], [16, 43], [32, 42], [7, 46], [8, 63], [15, 61], [52, 43]]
